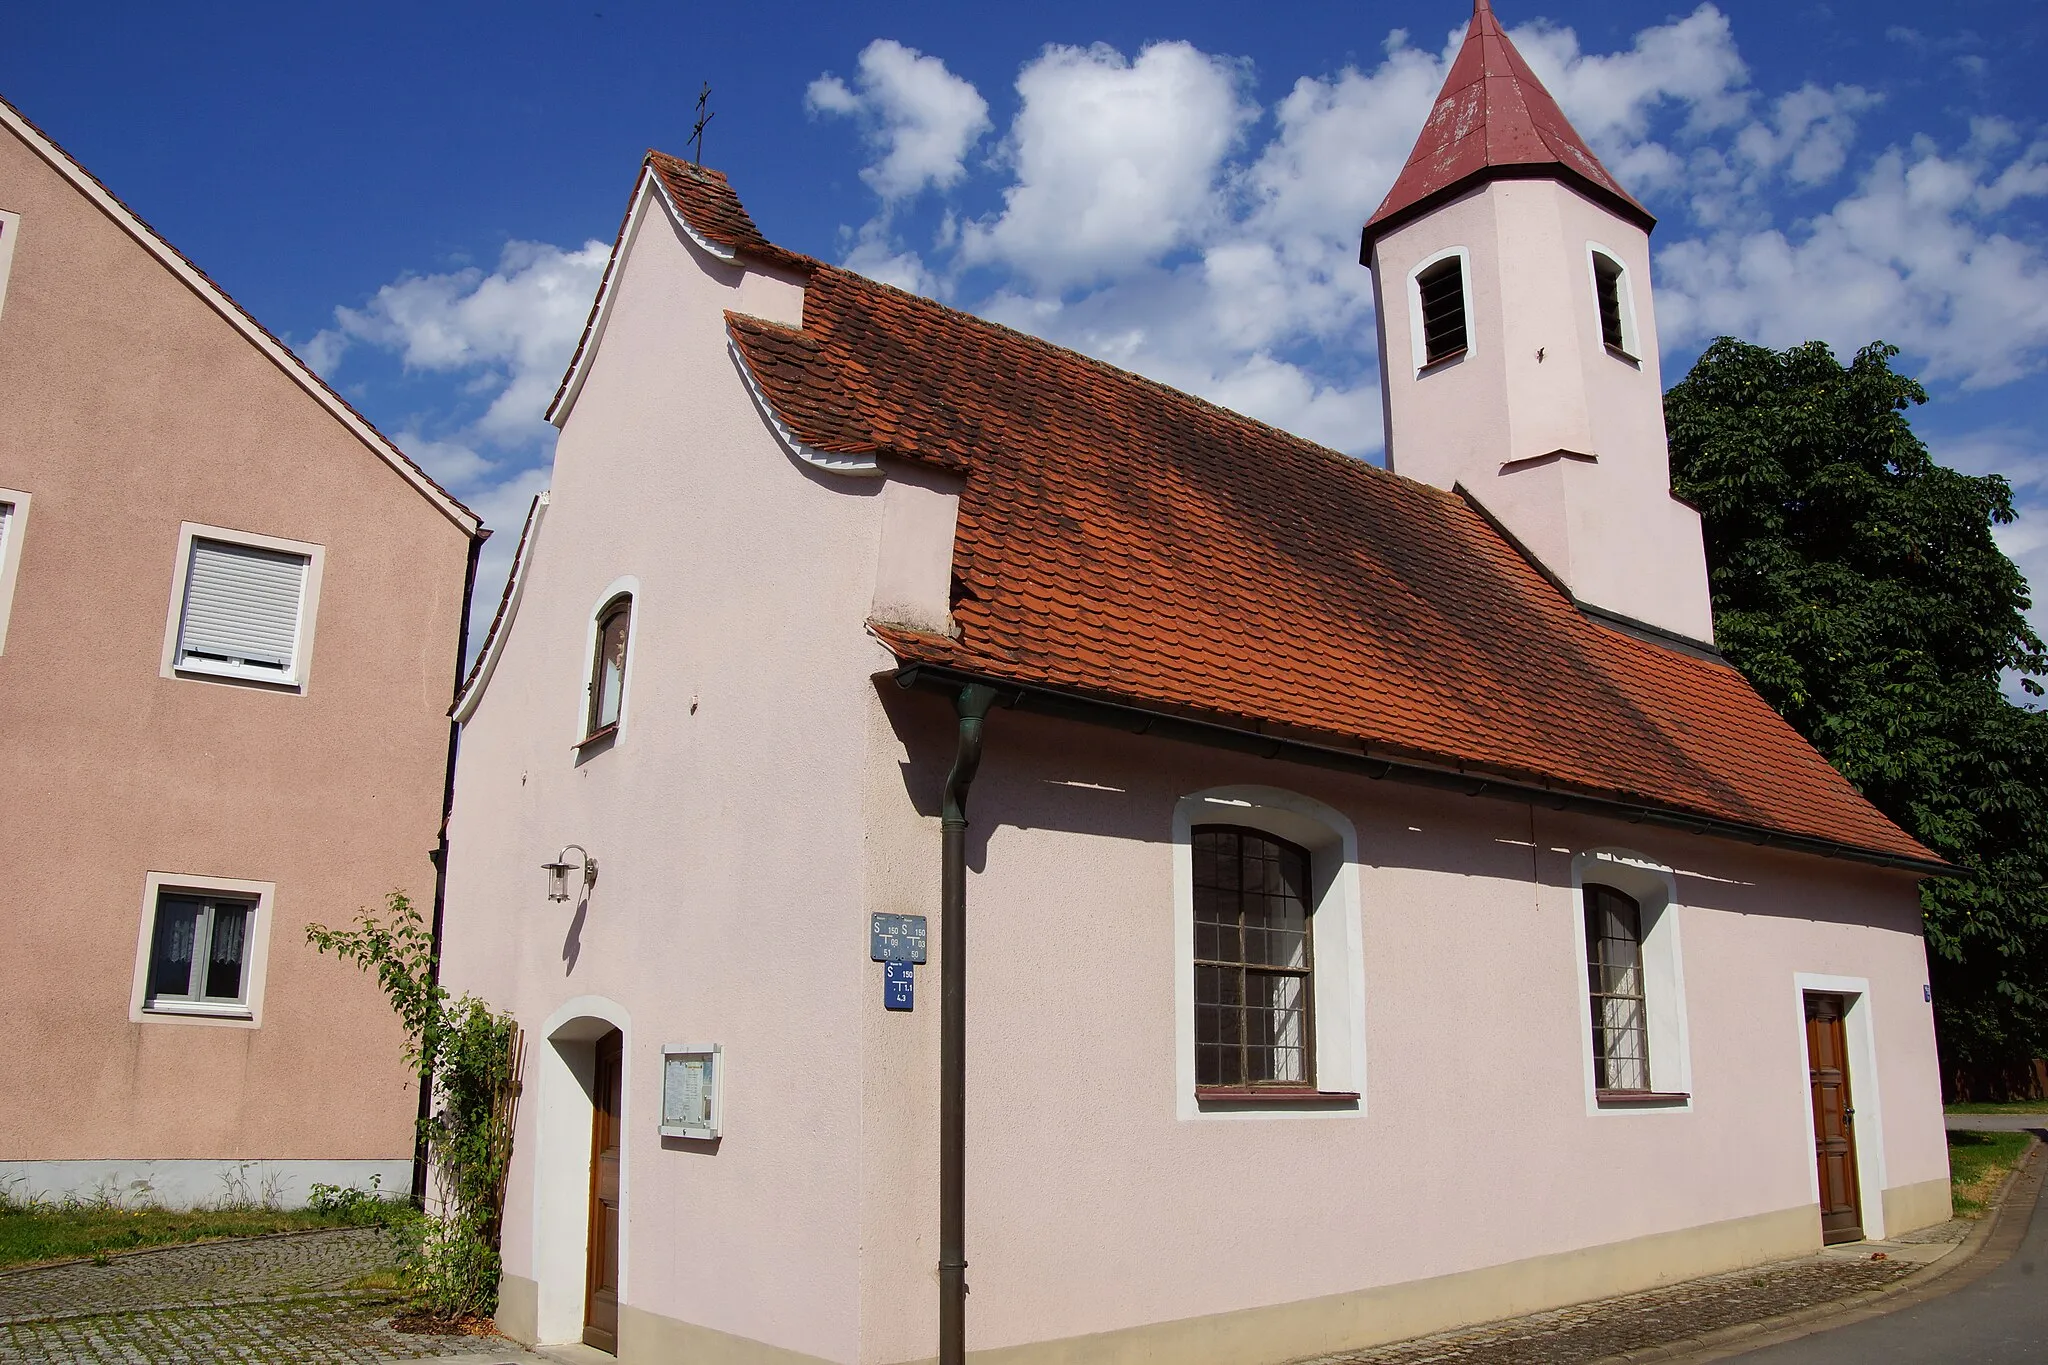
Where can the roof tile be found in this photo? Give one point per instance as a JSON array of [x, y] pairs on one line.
[[1121, 539], [1492, 117]]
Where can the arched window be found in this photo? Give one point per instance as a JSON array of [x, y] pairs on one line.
[[1254, 961], [608, 666], [1614, 981], [1440, 291]]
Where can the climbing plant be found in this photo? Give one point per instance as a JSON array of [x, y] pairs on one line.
[[469, 1055]]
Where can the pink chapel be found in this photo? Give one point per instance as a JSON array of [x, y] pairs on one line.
[[951, 815]]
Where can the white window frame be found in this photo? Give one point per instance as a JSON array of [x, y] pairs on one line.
[[1859, 1030], [10, 548], [10, 229], [1418, 343], [1624, 288], [626, 586], [309, 611], [1337, 997], [1654, 888], [248, 1014]]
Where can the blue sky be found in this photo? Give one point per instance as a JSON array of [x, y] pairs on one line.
[[419, 196]]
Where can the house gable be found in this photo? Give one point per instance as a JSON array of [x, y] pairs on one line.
[[217, 299]]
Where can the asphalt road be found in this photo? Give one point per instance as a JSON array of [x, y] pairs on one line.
[[1999, 1317]]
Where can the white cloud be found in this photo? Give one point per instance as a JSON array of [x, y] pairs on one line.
[[1906, 257], [1116, 161], [921, 117], [503, 337], [1611, 98], [1808, 133], [511, 330]]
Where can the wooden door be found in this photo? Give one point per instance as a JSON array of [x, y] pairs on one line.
[[1834, 1119], [601, 1278]]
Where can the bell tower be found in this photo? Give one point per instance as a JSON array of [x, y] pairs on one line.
[[1518, 342]]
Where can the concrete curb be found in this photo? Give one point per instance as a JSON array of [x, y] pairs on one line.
[[1987, 1247]]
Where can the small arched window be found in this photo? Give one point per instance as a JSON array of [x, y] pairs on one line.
[[1440, 288], [1254, 961], [1617, 311], [608, 666], [1614, 979]]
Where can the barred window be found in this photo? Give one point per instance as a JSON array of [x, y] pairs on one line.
[[1254, 965], [1614, 974]]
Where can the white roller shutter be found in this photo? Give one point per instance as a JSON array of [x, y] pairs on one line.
[[242, 607]]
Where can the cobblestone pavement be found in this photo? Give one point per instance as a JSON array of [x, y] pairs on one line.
[[1658, 1317], [327, 1331], [206, 1273], [284, 1299]]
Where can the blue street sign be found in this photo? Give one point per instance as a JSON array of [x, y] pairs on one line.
[[896, 938], [899, 985]]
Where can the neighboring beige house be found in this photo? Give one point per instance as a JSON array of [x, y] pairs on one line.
[[1373, 903], [231, 615]]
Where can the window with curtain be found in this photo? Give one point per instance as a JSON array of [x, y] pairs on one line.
[[1614, 975], [608, 669], [1254, 963], [199, 952], [1442, 288]]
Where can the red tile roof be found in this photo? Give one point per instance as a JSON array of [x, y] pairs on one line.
[[1493, 118], [1123, 541], [706, 199]]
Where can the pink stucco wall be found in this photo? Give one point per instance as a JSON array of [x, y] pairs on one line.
[[127, 406], [1093, 1206], [726, 820], [1609, 529], [767, 793]]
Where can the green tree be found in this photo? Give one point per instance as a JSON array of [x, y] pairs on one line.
[[1856, 583]]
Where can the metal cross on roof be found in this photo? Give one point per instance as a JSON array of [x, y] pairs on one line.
[[703, 117]]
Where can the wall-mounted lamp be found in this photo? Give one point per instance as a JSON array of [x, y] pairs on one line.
[[558, 871]]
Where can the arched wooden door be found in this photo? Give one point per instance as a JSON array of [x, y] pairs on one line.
[[601, 1281], [1834, 1118]]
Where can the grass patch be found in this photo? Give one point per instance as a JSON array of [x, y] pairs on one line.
[[31, 1231], [1999, 1107], [1977, 1164]]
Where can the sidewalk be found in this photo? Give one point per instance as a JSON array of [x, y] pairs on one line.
[[1726, 1314]]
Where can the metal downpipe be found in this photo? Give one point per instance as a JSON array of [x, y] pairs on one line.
[[973, 705]]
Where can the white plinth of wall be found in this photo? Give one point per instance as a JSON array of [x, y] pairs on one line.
[[201, 1183]]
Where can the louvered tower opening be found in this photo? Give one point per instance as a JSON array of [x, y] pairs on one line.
[[1443, 310]]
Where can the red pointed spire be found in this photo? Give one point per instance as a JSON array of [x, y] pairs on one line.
[[1493, 119]]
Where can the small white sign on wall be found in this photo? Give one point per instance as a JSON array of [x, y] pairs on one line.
[[692, 1077]]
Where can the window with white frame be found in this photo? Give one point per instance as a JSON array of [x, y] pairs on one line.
[[1614, 983], [13, 519], [1270, 1000], [1439, 308], [242, 610], [10, 230], [199, 952], [1632, 1018], [1612, 300], [1254, 963], [608, 667]]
